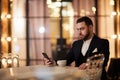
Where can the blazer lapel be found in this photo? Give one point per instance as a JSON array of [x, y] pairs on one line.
[[91, 47], [79, 47]]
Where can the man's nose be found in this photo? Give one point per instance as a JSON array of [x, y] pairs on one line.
[[79, 32]]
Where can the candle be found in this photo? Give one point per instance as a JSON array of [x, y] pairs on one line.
[[4, 62], [9, 62], [15, 62]]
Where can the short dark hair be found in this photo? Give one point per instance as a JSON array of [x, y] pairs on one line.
[[85, 19]]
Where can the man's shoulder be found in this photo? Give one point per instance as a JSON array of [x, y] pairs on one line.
[[77, 42], [101, 39]]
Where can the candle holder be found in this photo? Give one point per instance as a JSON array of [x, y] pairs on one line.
[[9, 60], [4, 62]]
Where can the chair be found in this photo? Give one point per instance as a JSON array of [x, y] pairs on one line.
[[114, 69]]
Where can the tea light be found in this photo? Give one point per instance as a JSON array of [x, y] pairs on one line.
[[15, 62], [4, 62], [9, 62]]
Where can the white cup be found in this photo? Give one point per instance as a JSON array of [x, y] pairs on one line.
[[61, 63]]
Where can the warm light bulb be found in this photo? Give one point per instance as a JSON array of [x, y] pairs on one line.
[[8, 39], [41, 29], [113, 36], [49, 1], [2, 39], [114, 13], [112, 2], [8, 16], [15, 39], [2, 16], [93, 9]]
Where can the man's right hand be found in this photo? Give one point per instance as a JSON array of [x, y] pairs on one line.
[[49, 62], [83, 66]]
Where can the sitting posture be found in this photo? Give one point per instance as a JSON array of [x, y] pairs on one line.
[[88, 45]]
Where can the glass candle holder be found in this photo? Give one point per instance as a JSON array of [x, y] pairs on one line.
[[9, 60]]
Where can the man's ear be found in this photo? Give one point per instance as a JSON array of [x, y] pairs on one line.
[[91, 27]]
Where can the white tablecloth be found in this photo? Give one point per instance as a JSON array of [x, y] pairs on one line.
[[41, 72]]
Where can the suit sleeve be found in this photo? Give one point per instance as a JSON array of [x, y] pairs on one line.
[[106, 51], [70, 56]]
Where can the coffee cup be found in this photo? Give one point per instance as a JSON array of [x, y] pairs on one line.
[[61, 63]]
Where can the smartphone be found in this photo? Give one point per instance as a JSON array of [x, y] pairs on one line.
[[46, 56]]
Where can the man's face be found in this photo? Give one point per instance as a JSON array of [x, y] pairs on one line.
[[83, 30]]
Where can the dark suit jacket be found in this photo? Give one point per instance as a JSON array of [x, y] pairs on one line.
[[75, 54]]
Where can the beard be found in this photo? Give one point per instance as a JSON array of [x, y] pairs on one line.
[[84, 37]]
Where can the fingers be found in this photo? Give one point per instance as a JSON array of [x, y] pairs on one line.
[[83, 66], [49, 62]]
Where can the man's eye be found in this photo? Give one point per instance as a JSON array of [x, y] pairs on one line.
[[81, 28]]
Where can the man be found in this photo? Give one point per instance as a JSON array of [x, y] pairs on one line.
[[87, 45]]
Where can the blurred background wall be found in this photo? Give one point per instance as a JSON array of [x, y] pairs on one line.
[[30, 27]]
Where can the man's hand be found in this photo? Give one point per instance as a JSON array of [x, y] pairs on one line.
[[83, 66], [49, 62]]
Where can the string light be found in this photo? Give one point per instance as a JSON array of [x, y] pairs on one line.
[[8, 39], [113, 36], [8, 16], [2, 39], [112, 2], [41, 30]]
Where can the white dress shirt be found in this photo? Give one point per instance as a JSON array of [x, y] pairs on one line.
[[85, 46]]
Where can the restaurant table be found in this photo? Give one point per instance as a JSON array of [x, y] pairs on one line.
[[43, 72]]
